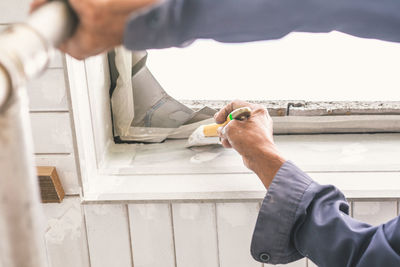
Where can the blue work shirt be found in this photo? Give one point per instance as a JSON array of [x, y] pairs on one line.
[[298, 218], [175, 22]]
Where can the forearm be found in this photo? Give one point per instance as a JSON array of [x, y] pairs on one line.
[[302, 218], [265, 162], [175, 22]]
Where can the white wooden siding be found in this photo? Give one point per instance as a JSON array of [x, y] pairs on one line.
[[13, 10], [152, 235], [195, 234], [52, 133], [65, 234], [48, 92], [235, 223], [299, 263], [374, 212], [108, 235]]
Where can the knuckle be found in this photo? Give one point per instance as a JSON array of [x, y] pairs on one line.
[[260, 110]]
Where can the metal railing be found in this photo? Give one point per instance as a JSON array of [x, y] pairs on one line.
[[25, 51]]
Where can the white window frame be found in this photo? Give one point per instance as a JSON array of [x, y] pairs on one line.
[[89, 85]]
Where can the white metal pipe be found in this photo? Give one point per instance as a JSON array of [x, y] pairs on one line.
[[21, 222], [25, 51]]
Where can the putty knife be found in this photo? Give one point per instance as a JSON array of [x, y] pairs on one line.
[[208, 134]]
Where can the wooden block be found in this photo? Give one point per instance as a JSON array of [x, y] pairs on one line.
[[51, 189], [66, 169]]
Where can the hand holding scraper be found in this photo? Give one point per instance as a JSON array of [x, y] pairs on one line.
[[208, 134]]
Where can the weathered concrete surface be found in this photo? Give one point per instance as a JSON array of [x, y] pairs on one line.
[[304, 108]]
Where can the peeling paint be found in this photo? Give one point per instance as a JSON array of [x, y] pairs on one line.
[[68, 225]]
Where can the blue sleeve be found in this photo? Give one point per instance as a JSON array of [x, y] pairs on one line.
[[300, 218], [175, 22]]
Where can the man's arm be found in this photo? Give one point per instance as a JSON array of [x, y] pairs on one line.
[[175, 22], [145, 24], [300, 218]]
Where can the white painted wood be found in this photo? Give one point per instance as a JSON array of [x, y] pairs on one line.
[[195, 234], [65, 236], [366, 152], [235, 224], [82, 119], [66, 170], [152, 235], [375, 213], [229, 186], [299, 263], [13, 10], [311, 264], [98, 82], [350, 208], [336, 124], [108, 235], [48, 92], [313, 153], [51, 133], [57, 60]]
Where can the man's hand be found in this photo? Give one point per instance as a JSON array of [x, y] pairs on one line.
[[253, 139], [101, 24]]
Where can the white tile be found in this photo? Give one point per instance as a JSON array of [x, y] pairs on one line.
[[152, 235], [235, 226], [108, 235], [375, 213], [65, 236], [195, 235]]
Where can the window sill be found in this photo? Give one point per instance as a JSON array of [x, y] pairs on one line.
[[361, 165]]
